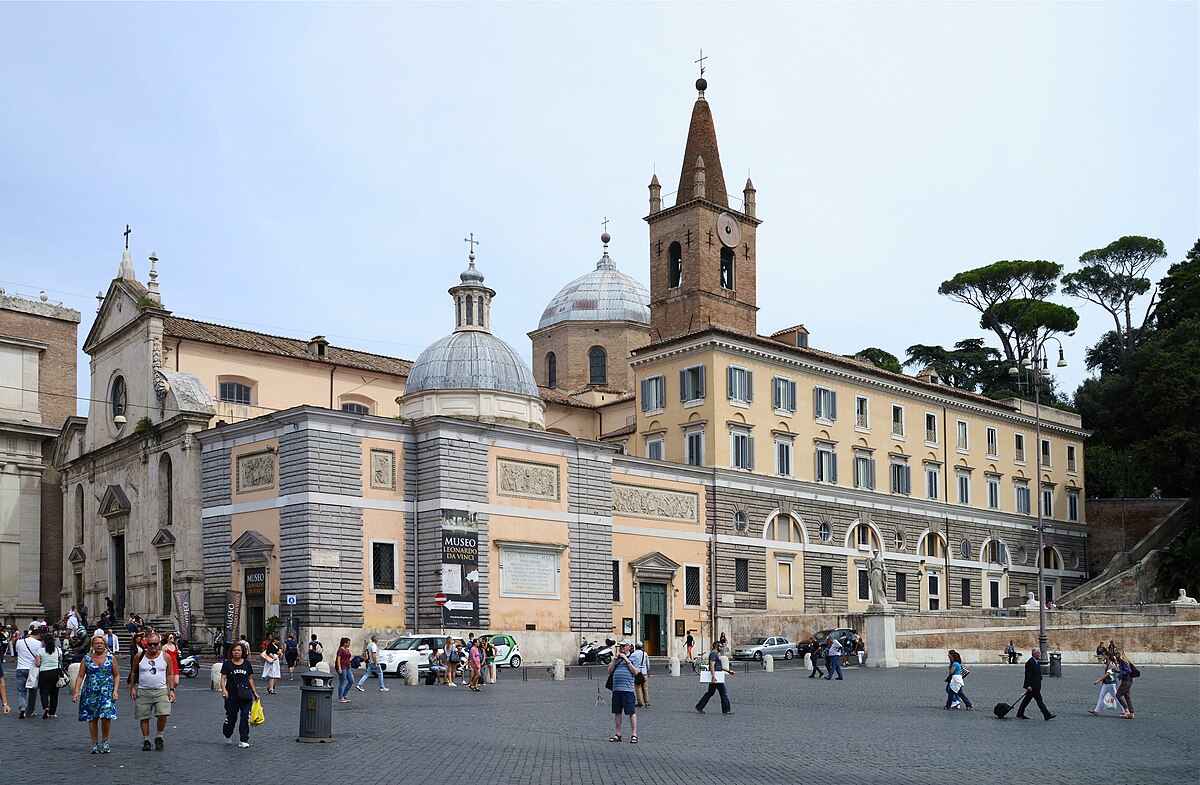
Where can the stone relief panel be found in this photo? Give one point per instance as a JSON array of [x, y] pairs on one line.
[[636, 501], [383, 470], [527, 480], [255, 471]]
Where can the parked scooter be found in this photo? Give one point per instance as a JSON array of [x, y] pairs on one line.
[[592, 651], [189, 666]]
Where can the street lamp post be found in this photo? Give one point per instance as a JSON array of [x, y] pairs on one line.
[[1038, 369]]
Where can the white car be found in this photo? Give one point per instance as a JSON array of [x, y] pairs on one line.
[[395, 657]]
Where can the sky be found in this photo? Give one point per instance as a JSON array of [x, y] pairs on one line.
[[314, 168]]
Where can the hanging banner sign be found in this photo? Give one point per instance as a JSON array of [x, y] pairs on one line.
[[183, 605], [460, 569], [233, 612]]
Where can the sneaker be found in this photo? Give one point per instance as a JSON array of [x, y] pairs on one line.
[[95, 748], [243, 744], [21, 715], [385, 689], [159, 744], [104, 748], [229, 740], [451, 684], [359, 688], [1093, 712], [146, 747], [699, 710], [1050, 717]]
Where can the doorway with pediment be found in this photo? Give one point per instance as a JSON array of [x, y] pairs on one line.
[[654, 588]]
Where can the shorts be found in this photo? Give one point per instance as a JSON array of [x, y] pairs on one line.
[[152, 702], [624, 701]]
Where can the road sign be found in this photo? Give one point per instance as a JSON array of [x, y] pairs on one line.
[[439, 599], [459, 606], [291, 599]]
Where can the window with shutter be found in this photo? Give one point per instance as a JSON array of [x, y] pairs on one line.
[[826, 581], [691, 583], [741, 572]]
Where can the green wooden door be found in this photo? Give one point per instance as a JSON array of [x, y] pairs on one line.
[[653, 604]]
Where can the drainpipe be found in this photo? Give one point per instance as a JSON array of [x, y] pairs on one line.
[[712, 565], [332, 370]]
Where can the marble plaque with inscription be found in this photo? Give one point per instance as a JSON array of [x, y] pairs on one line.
[[383, 470], [526, 480], [528, 573], [636, 501], [255, 471], [322, 557]]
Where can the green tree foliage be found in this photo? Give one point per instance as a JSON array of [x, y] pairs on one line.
[[881, 359], [1010, 297], [1147, 407], [1180, 565], [968, 366], [1111, 277]]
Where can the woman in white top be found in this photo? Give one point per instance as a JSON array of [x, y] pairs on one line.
[[50, 663]]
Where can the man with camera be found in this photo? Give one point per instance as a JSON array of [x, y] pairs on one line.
[[623, 674]]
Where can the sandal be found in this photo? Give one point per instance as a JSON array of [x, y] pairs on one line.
[[633, 739], [615, 737]]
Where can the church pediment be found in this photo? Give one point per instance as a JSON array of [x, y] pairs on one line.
[[252, 546], [114, 502], [118, 311], [163, 538], [77, 556], [654, 565]]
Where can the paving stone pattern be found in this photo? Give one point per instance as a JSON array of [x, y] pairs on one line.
[[875, 727]]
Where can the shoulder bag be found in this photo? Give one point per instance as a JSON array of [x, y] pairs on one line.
[[31, 682]]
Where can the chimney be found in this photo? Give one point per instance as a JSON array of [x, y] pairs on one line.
[[318, 346]]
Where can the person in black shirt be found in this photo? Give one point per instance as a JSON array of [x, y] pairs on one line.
[[237, 688]]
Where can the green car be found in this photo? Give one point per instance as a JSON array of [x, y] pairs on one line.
[[507, 651]]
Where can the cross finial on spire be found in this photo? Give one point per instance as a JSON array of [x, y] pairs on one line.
[[128, 232], [701, 61], [605, 224], [473, 242]]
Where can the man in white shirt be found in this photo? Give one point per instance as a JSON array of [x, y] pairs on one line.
[[72, 620], [835, 652], [114, 643], [372, 666], [153, 690], [29, 649]]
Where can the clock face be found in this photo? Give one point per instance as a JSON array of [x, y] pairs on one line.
[[728, 230]]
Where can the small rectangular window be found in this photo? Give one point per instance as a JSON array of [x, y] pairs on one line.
[[993, 491], [1023, 506], [691, 383], [691, 585], [901, 581], [1046, 453], [383, 567], [901, 478], [741, 574], [864, 471], [966, 592], [933, 481], [234, 392], [864, 586], [741, 449], [654, 448], [654, 393], [1048, 502], [1019, 447], [616, 580], [784, 395], [963, 481], [824, 404], [931, 429], [783, 457], [961, 442], [993, 443], [783, 579], [897, 420], [862, 413], [1072, 506], [826, 581], [741, 384], [1071, 465], [826, 464], [694, 444]]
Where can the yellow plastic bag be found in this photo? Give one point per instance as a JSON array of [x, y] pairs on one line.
[[257, 717]]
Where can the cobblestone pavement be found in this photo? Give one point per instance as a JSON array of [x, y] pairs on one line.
[[876, 726]]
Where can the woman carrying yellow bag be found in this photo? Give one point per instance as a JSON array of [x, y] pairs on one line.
[[237, 688]]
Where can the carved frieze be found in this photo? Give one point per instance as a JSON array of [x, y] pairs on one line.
[[255, 471], [527, 480], [636, 501], [383, 470]]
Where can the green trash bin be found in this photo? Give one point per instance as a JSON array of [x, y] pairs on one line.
[[1056, 664], [316, 708]]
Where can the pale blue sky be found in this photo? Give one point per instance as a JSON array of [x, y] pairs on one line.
[[313, 168]]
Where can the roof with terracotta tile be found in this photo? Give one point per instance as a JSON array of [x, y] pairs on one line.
[[248, 340]]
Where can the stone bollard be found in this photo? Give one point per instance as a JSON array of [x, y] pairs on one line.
[[560, 670], [215, 679], [673, 667], [412, 675], [808, 662], [768, 663]]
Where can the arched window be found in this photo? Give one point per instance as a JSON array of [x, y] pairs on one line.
[[482, 323], [458, 313], [597, 366], [232, 391], [116, 397], [470, 311], [79, 515], [784, 528], [933, 546], [1051, 559], [727, 268], [862, 535], [675, 269], [166, 487], [551, 370], [354, 407]]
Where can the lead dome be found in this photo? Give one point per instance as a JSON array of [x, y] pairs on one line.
[[470, 361], [604, 294]]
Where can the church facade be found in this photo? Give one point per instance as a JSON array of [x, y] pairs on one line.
[[659, 467]]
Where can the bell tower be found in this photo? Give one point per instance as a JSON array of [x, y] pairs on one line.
[[702, 251]]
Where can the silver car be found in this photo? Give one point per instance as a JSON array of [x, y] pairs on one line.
[[755, 648]]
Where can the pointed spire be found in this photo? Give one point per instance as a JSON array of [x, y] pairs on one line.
[[655, 194], [749, 202], [152, 287], [702, 143]]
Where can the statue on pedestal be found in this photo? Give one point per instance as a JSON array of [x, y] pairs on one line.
[[1184, 599], [877, 577]]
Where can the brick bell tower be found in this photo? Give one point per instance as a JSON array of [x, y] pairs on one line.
[[702, 251]]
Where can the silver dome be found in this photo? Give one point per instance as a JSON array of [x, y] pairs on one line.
[[604, 294], [470, 360]]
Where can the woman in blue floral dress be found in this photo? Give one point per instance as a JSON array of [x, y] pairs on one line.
[[97, 685]]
